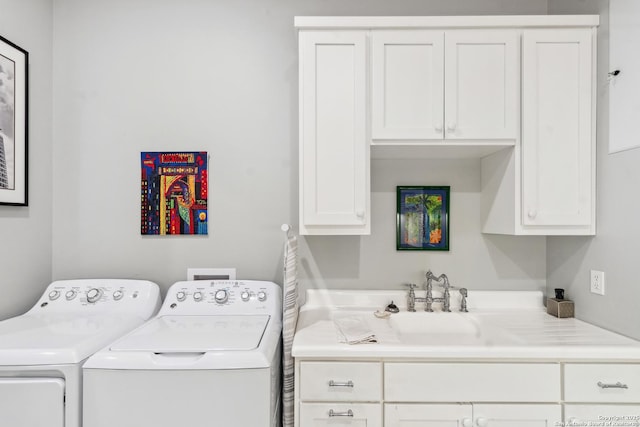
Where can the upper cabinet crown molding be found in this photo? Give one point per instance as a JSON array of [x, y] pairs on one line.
[[449, 22]]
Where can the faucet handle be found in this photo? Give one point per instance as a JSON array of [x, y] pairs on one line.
[[463, 300], [411, 286]]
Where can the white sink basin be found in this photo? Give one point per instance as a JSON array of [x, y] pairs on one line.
[[439, 323]]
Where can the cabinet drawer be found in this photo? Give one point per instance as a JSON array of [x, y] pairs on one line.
[[342, 414], [602, 383], [468, 382], [336, 381]]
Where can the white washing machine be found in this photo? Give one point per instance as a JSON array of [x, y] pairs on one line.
[[41, 351], [211, 357]]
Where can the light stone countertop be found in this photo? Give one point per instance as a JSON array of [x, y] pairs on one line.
[[500, 325]]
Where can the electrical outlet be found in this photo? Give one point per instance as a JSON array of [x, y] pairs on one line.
[[597, 282]]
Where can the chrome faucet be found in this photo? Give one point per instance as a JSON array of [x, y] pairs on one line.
[[429, 299], [446, 298]]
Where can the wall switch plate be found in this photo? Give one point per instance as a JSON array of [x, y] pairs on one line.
[[597, 282]]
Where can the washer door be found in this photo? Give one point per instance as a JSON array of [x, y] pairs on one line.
[[32, 402]]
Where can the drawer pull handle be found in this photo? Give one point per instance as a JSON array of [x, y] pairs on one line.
[[332, 414], [349, 384], [616, 385]]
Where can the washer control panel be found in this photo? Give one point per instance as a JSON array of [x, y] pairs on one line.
[[97, 295], [222, 297]]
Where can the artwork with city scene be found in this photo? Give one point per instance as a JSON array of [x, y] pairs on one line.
[[174, 193], [13, 124], [422, 219]]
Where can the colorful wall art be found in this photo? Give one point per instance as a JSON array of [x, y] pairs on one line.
[[422, 219], [174, 193]]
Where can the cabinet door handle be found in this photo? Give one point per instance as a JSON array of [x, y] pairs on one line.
[[532, 214], [348, 413], [438, 129], [616, 385], [349, 384], [451, 127], [466, 422], [360, 214], [482, 422]]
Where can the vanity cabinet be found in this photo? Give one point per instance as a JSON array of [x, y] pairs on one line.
[[599, 393], [451, 85], [334, 148], [345, 393], [469, 415]]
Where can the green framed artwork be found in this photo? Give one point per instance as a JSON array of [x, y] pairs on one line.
[[422, 218]]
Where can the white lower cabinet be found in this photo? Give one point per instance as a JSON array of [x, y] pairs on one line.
[[601, 415], [468, 415], [602, 394], [340, 414]]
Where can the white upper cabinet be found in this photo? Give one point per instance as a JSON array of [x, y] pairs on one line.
[[408, 84], [434, 85], [546, 186], [334, 150], [557, 128]]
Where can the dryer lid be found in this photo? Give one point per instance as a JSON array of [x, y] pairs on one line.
[[189, 334]]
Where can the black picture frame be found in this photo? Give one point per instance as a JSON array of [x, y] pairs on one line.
[[14, 124], [422, 218]]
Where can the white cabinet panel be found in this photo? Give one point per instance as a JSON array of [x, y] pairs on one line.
[[524, 415], [602, 415], [468, 382], [434, 85], [481, 84], [426, 415], [468, 415], [334, 152], [557, 132], [602, 383], [335, 381], [351, 415], [408, 84]]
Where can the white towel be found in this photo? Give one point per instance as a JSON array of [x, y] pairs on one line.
[[289, 321], [354, 330]]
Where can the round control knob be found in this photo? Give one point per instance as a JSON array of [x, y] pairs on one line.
[[197, 296], [70, 295], [245, 295], [221, 296], [54, 295], [117, 295], [94, 295], [181, 296], [262, 296]]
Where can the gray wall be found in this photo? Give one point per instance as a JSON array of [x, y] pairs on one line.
[[25, 232], [616, 246], [221, 76]]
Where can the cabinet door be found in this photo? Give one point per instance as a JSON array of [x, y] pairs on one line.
[[334, 152], [351, 415], [585, 415], [557, 135], [408, 85], [532, 415], [426, 415], [482, 84]]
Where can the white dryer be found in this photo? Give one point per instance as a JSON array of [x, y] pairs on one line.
[[211, 357], [41, 351]]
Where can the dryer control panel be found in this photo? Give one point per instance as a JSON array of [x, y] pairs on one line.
[[202, 297], [99, 296]]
